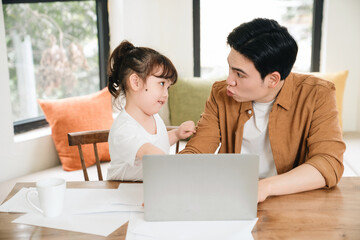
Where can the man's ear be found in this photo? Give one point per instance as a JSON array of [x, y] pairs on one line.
[[135, 82], [273, 79]]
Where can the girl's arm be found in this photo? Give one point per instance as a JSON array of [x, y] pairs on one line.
[[148, 149], [185, 130]]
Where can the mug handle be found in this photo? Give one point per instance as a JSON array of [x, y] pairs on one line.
[[30, 202]]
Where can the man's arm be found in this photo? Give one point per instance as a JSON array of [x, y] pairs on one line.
[[323, 166], [207, 136], [302, 178], [325, 144]]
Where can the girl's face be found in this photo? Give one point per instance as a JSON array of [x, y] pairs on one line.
[[154, 94]]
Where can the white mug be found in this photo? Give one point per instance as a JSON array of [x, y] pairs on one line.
[[51, 193]]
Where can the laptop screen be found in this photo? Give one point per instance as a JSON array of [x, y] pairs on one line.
[[200, 187]]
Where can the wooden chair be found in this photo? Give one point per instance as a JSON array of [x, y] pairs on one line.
[[94, 137]]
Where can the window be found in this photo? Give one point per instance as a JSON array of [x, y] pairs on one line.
[[55, 49], [218, 20]]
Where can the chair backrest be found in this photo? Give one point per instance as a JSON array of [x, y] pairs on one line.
[[94, 137], [89, 137]]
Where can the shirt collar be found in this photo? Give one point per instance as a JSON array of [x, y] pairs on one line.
[[285, 95]]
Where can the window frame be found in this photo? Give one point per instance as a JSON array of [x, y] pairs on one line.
[[318, 6], [196, 37], [104, 49]]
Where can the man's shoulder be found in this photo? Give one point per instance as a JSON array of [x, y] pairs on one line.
[[312, 81], [220, 84], [219, 87]]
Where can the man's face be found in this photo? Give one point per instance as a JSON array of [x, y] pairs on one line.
[[244, 81]]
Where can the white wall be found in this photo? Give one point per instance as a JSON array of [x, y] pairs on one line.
[[166, 25], [341, 50]]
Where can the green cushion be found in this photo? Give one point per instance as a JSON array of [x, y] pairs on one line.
[[187, 99]]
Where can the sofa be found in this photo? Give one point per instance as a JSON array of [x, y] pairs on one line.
[[187, 99]]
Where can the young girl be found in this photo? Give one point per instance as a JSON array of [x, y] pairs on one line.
[[144, 76]]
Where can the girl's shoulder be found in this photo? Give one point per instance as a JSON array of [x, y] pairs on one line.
[[124, 121]]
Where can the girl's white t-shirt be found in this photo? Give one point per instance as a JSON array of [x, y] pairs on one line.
[[256, 139], [125, 139]]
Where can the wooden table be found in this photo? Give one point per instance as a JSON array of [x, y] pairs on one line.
[[319, 214]]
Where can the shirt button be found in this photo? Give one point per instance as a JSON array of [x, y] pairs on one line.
[[249, 112]]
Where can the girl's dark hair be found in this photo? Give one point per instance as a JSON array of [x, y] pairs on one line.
[[127, 59], [267, 44]]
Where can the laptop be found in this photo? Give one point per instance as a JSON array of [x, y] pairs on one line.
[[200, 187]]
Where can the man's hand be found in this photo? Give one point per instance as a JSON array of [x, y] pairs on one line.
[[300, 179], [263, 190], [185, 130]]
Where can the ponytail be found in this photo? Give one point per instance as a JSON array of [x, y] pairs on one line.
[[116, 78]]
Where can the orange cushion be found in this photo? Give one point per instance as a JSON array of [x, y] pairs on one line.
[[74, 114]]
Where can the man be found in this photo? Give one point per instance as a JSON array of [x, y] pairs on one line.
[[290, 120]]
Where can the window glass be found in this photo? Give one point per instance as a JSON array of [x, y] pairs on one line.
[[219, 19], [52, 51]]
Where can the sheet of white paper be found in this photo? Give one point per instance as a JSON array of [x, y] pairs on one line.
[[130, 194], [18, 203], [79, 201], [99, 224], [88, 209], [138, 228], [78, 204], [133, 236]]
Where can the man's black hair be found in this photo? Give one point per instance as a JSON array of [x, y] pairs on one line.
[[267, 44]]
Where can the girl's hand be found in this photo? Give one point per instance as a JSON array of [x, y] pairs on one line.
[[185, 130]]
